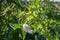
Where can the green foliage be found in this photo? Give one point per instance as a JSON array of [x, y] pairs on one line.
[[43, 17]]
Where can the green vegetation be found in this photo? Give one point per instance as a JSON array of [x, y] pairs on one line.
[[43, 17]]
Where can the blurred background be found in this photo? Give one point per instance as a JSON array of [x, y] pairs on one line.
[[42, 15]]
